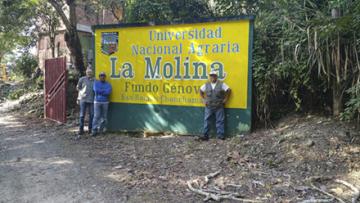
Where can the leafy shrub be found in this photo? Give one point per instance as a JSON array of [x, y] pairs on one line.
[[16, 94], [352, 109], [19, 89], [39, 82], [25, 65]]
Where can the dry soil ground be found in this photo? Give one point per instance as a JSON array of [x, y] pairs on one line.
[[41, 162]]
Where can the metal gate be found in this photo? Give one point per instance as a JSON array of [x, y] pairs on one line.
[[55, 89]]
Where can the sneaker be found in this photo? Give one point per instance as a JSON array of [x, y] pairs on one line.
[[202, 138], [221, 138], [104, 131], [78, 137]]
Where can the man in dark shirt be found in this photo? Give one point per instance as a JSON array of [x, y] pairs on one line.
[[215, 94]]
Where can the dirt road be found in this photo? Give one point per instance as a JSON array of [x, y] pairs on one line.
[[37, 164], [41, 162]]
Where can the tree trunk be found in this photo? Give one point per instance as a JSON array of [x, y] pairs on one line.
[[73, 43], [117, 11], [337, 81], [71, 36], [52, 37], [337, 99], [52, 46], [335, 12], [72, 39]]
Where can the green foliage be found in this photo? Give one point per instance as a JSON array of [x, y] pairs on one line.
[[16, 94], [49, 23], [19, 89], [280, 66], [16, 17], [303, 52], [235, 7], [300, 51], [352, 109], [25, 65], [39, 82], [166, 11]]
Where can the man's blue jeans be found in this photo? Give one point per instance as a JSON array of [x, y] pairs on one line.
[[220, 120], [83, 107], [100, 117]]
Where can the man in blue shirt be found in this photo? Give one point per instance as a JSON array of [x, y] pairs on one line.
[[102, 90]]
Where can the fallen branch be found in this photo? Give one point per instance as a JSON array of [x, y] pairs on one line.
[[215, 194], [220, 192], [216, 188], [244, 200], [326, 193], [218, 197], [255, 182], [211, 175], [317, 201], [207, 195], [352, 187], [233, 185]]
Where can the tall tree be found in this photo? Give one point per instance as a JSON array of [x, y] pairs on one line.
[[49, 23], [16, 21], [303, 49], [236, 7], [116, 7], [166, 11], [71, 35], [333, 45], [97, 7]]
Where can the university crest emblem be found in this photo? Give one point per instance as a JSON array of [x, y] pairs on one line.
[[109, 42]]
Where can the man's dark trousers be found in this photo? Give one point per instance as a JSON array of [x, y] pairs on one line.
[[83, 107], [220, 120]]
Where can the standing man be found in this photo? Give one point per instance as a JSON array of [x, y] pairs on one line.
[[102, 91], [215, 94], [86, 99]]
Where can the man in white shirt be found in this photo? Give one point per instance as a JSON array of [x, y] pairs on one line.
[[215, 94], [86, 100]]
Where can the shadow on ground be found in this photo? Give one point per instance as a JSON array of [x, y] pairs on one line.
[[40, 161]]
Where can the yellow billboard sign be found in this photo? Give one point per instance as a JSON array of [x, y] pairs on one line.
[[167, 64]]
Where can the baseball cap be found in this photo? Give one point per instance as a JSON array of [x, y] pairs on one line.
[[102, 74], [213, 72]]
